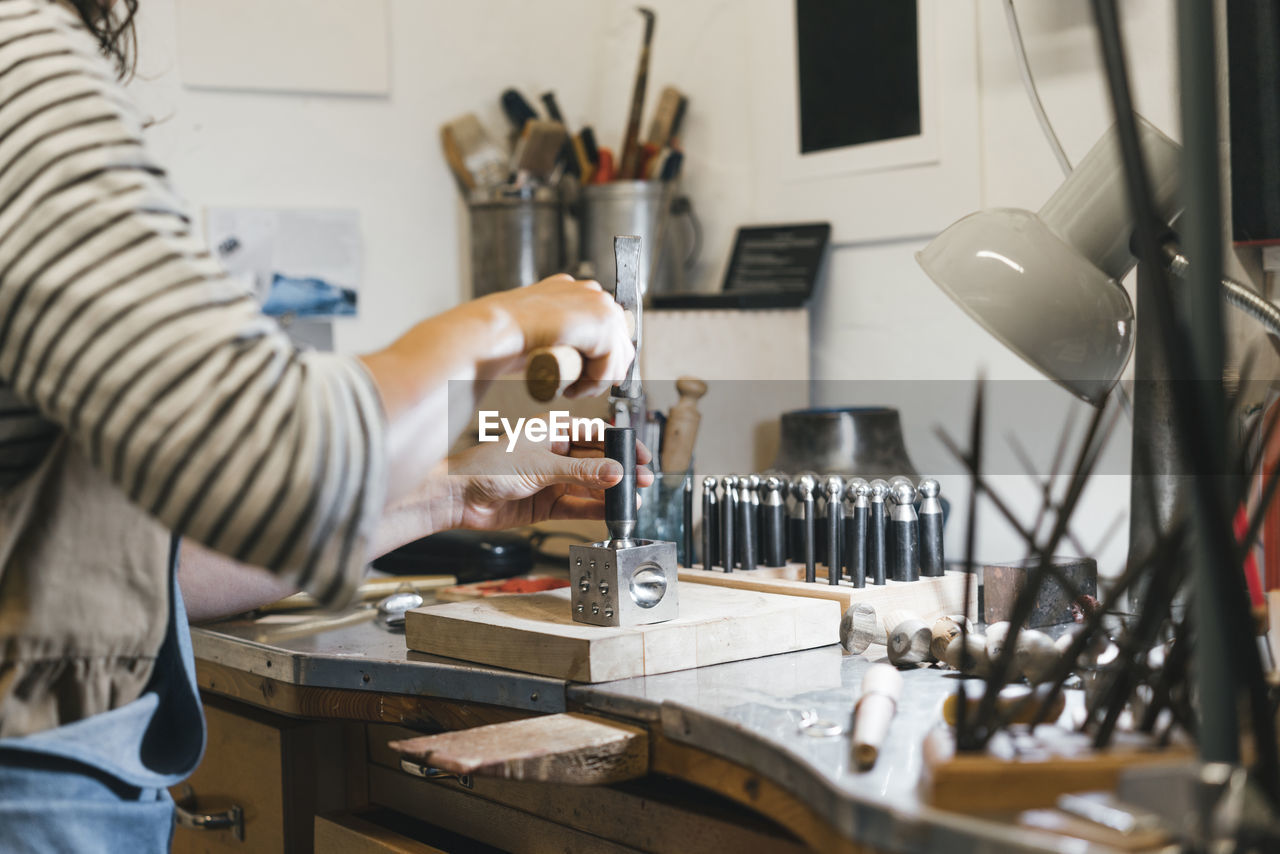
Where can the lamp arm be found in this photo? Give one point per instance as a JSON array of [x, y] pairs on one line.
[[1238, 294]]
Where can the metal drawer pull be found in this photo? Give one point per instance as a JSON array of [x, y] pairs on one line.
[[185, 811], [426, 772]]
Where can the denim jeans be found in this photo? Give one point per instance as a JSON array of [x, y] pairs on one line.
[[101, 784]]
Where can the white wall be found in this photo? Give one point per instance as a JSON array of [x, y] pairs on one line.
[[880, 316], [876, 315]]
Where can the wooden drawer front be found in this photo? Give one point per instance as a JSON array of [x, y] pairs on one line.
[[278, 770]]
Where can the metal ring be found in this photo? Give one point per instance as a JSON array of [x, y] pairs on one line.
[[817, 727]]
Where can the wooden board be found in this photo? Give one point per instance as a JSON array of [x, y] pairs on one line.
[[535, 633], [566, 748], [929, 598], [985, 783], [655, 814]]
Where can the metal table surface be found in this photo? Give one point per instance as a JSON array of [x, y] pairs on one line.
[[748, 712]]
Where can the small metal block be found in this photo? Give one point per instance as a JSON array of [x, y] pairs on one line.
[[632, 585], [1002, 582]]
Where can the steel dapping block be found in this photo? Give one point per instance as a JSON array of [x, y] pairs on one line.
[[876, 558], [620, 499], [903, 533], [746, 525], [856, 514], [833, 488], [728, 510], [1002, 582], [807, 484], [631, 585], [710, 522], [932, 560], [773, 509]]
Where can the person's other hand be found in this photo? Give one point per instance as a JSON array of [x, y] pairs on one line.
[[493, 489], [578, 313]]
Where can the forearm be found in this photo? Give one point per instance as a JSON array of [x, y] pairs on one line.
[[430, 381], [215, 586]]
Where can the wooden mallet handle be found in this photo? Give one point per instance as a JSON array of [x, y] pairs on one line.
[[551, 370], [881, 688], [682, 426]]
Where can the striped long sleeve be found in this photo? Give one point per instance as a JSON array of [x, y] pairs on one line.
[[120, 330]]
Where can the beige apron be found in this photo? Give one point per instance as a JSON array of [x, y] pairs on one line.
[[84, 595]]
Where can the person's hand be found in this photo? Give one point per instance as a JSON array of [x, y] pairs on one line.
[[562, 310], [493, 489]]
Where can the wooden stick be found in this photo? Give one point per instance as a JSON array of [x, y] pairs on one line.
[[881, 688], [682, 426]]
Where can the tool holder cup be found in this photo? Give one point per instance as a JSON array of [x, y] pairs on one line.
[[517, 237], [658, 214]]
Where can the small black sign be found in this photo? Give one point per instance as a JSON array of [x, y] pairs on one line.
[[776, 258]]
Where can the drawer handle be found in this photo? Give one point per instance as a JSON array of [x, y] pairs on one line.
[[187, 815], [426, 772]]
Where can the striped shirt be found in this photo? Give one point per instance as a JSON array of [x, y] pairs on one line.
[[119, 330]]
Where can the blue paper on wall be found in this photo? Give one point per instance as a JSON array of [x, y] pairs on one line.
[[299, 263]]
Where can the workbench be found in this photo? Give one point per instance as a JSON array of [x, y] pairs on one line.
[[754, 776]]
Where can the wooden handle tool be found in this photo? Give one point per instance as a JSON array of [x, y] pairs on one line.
[[551, 370], [682, 426], [874, 711], [630, 153], [944, 629], [909, 639], [859, 628]]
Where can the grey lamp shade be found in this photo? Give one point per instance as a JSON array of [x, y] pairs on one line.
[[1047, 285], [1040, 297]]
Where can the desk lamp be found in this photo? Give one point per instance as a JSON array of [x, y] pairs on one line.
[[1047, 284]]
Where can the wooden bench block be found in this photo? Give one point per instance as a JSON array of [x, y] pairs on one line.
[[566, 748], [535, 633]]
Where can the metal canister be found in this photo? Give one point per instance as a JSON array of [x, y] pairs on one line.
[[624, 207], [517, 238]]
